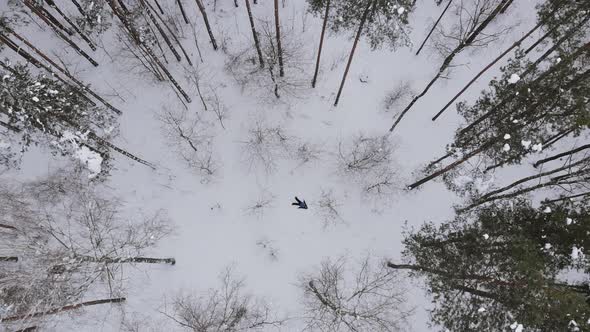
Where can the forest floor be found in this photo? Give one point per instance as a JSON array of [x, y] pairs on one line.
[[216, 224]]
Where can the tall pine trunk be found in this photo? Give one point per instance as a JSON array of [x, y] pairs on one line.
[[255, 34], [61, 35], [207, 25], [434, 26], [179, 2], [62, 309], [52, 4], [448, 60], [354, 44], [278, 37], [317, 63]]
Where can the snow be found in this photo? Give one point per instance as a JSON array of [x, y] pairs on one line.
[[506, 147], [538, 147], [482, 309], [486, 236], [35, 99], [547, 210], [507, 136], [514, 78], [568, 221], [548, 246], [401, 10], [4, 145], [577, 253], [526, 144], [91, 159]]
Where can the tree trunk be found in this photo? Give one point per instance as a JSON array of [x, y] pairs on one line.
[[486, 68], [66, 73], [278, 37], [121, 151], [449, 59], [254, 34], [8, 227], [317, 63], [161, 31], [74, 26], [40, 11], [450, 166], [206, 20], [565, 198], [354, 44], [122, 260], [8, 259], [563, 154], [62, 36], [434, 26], [62, 309], [159, 7], [179, 2], [516, 44], [77, 4], [171, 33]]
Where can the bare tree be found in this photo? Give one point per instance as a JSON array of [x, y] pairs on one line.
[[369, 161], [364, 298], [400, 93], [189, 135], [265, 145], [327, 208], [69, 239], [227, 309]]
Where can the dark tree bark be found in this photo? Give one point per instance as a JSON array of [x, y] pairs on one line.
[[159, 7], [354, 44], [179, 2], [161, 31], [40, 11], [121, 260], [52, 4], [278, 37], [493, 195], [255, 34], [207, 25], [172, 34], [317, 63], [62, 309], [8, 227], [61, 35], [434, 26], [450, 166], [447, 62], [570, 197], [560, 155], [8, 259], [79, 7], [121, 151]]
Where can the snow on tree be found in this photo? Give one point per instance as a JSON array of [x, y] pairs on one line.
[[43, 111]]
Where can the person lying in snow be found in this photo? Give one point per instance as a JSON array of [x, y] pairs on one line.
[[302, 205]]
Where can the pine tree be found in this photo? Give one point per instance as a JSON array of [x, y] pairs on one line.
[[503, 266], [534, 102], [43, 111]]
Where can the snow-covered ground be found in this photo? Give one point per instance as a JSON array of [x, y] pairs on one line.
[[215, 227]]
